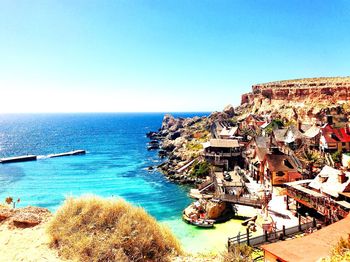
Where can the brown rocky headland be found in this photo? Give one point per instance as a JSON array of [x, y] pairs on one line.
[[307, 100], [335, 88]]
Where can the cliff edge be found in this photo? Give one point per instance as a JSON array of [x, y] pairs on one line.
[[298, 99]]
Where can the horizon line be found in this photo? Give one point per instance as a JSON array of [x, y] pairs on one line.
[[106, 112]]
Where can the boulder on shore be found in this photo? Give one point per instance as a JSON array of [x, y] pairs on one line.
[[27, 216], [215, 210]]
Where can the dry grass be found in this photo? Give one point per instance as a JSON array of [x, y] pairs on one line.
[[238, 253], [95, 229]]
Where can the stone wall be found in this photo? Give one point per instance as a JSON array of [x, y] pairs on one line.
[[301, 89]]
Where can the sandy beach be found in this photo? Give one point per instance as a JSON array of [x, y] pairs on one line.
[[25, 244]]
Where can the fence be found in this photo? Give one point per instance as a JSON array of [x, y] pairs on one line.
[[269, 237]]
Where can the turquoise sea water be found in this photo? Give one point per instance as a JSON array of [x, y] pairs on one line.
[[115, 165]]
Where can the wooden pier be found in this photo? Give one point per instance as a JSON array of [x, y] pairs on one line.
[[245, 201], [18, 159], [26, 158], [70, 153], [222, 190]]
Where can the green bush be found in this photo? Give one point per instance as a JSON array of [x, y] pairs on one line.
[[200, 169], [336, 156]]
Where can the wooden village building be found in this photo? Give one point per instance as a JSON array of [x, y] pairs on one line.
[[334, 139], [222, 151], [252, 121], [326, 193], [254, 154], [290, 136], [228, 132], [312, 137], [279, 168]]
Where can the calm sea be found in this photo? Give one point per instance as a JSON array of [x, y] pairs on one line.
[[115, 164]]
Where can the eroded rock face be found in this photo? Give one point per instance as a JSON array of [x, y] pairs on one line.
[[335, 88], [298, 100]]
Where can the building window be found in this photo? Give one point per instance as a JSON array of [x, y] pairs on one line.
[[279, 173]]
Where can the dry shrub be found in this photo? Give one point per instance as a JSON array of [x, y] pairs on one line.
[[95, 229], [238, 253]]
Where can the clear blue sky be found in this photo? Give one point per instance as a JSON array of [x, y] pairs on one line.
[[161, 55]]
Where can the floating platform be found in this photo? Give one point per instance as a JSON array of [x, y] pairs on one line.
[[70, 153], [18, 159]]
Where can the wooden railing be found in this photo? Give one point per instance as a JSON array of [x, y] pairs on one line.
[[269, 237], [218, 155], [205, 184], [323, 205], [247, 201]]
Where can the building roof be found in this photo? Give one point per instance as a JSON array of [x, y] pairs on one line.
[[307, 191], [229, 131], [256, 117], [279, 134], [266, 124], [261, 153], [262, 141], [223, 143], [346, 194], [299, 182], [292, 134], [331, 186], [311, 247], [344, 204], [280, 162], [334, 135], [312, 132], [305, 127]]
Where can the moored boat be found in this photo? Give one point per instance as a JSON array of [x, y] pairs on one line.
[[199, 222]]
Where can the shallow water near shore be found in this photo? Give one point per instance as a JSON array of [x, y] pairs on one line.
[[114, 166]]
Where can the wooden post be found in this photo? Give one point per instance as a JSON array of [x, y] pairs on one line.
[[299, 222], [248, 236], [287, 202], [266, 236], [314, 222], [284, 230]]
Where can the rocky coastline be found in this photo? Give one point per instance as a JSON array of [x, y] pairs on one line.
[[180, 143], [180, 139]]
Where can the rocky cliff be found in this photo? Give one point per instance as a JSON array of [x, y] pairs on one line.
[[300, 99], [335, 88]]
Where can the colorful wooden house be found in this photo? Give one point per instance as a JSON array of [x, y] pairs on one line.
[[279, 168], [334, 139]]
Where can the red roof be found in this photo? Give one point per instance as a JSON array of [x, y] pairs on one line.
[[293, 176], [335, 135], [260, 123]]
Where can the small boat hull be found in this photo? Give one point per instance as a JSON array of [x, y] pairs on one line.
[[203, 223]]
